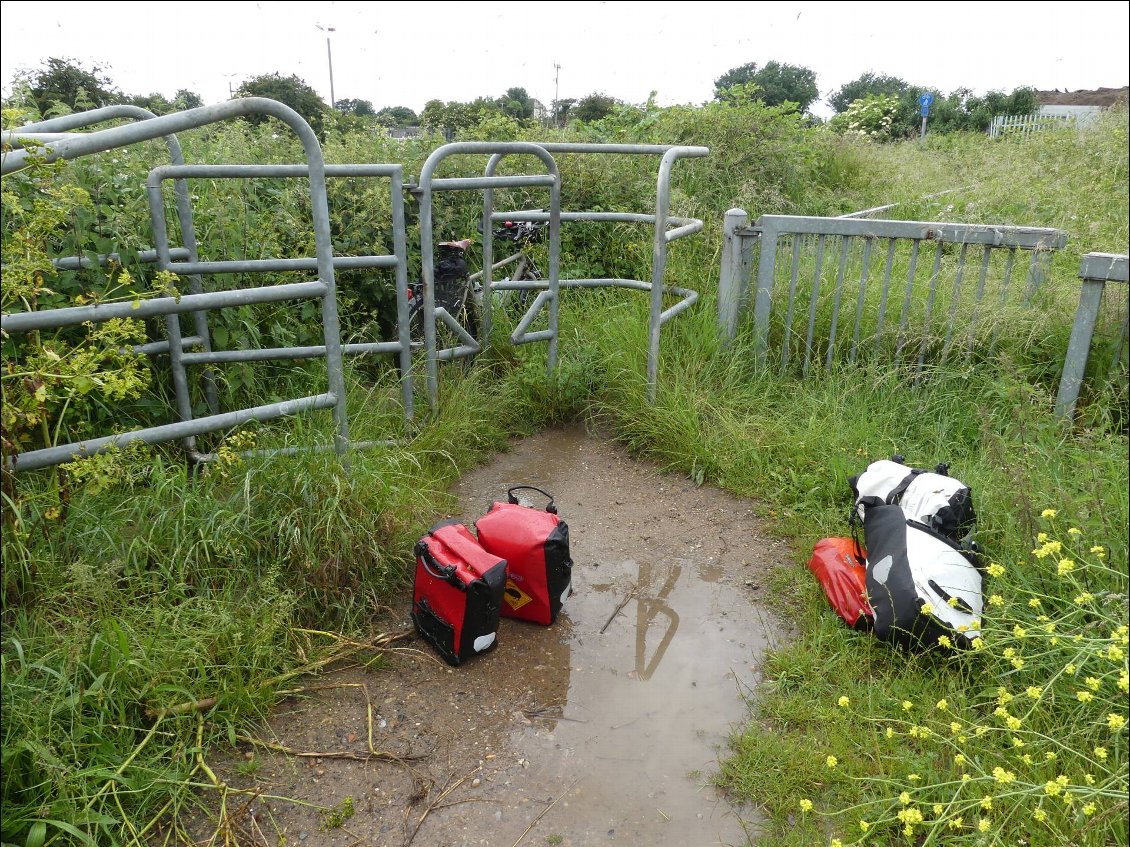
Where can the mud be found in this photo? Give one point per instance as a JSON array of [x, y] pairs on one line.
[[563, 735]]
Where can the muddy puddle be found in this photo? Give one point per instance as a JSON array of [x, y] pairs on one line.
[[604, 729]]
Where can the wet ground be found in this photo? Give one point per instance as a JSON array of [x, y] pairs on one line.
[[566, 735]]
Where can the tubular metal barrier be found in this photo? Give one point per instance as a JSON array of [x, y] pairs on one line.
[[547, 291], [67, 146], [900, 244], [397, 261]]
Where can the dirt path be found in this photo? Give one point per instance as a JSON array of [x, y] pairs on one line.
[[562, 735]]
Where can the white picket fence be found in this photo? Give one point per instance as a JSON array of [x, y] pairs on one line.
[[1048, 116]]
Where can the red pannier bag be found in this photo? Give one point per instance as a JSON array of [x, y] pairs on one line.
[[535, 545], [840, 566], [457, 593]]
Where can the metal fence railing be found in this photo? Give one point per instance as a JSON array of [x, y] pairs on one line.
[[72, 146], [909, 291], [666, 230], [1096, 270], [195, 349]]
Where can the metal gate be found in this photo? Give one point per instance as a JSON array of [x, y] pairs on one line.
[[195, 349], [836, 288]]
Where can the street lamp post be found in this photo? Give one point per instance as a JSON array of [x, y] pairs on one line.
[[330, 59]]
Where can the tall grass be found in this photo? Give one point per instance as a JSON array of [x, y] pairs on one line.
[[144, 598]]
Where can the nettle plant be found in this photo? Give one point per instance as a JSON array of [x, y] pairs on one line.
[[1038, 741]]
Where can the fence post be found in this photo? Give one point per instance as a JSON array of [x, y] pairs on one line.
[[1095, 270], [731, 283]]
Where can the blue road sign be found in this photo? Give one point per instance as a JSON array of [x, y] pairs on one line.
[[925, 101]]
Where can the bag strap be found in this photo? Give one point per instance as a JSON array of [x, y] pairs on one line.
[[896, 493], [433, 567], [513, 500]]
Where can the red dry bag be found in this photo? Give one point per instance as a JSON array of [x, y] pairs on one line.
[[535, 545], [457, 593], [840, 565]]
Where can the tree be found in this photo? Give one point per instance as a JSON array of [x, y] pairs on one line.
[[867, 84], [742, 75], [292, 91], [154, 102], [66, 81], [357, 108], [185, 99], [595, 106], [516, 103], [451, 118], [779, 83], [561, 110], [398, 116]]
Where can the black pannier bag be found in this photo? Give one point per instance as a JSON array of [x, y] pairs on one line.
[[921, 585], [450, 274], [933, 498], [457, 593], [535, 544]]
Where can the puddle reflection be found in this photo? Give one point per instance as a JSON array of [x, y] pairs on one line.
[[648, 608]]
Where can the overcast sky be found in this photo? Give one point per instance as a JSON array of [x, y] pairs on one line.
[[406, 53]]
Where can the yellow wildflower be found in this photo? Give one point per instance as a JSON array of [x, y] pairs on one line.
[[1065, 567], [831, 762], [806, 805], [1002, 776], [1115, 722], [844, 702], [996, 570], [1048, 514]]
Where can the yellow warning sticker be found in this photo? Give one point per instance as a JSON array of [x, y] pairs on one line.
[[515, 597]]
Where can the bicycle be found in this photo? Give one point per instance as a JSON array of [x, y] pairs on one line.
[[460, 294]]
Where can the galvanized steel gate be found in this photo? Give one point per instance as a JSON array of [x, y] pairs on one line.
[[186, 261], [971, 278]]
